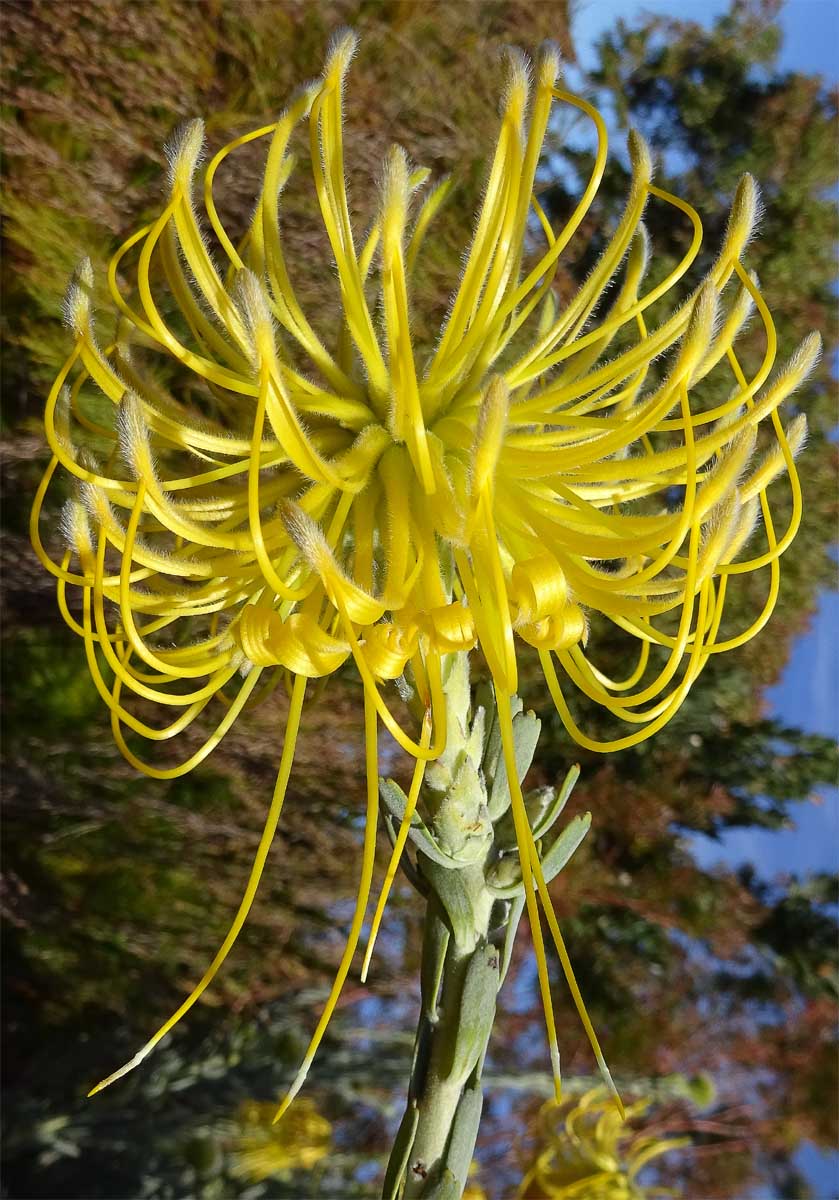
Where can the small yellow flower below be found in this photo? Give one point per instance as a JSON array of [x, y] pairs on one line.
[[262, 1149], [590, 1154]]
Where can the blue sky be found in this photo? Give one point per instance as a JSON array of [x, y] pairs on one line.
[[807, 696], [811, 27]]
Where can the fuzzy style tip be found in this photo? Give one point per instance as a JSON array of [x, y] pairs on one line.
[[341, 51], [183, 151], [548, 64], [75, 308], [133, 436]]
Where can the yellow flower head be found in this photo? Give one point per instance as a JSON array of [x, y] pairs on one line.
[[589, 1154], [262, 1149], [295, 501]]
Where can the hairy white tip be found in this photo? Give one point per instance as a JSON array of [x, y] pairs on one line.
[[307, 92], [133, 436], [797, 434], [88, 461], [775, 462], [183, 151], [256, 313], [396, 190], [548, 64], [700, 330], [745, 214], [306, 534], [805, 357], [74, 527], [76, 305], [517, 83], [340, 53], [640, 158]]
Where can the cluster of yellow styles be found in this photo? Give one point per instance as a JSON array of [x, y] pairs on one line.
[[262, 1149], [589, 1154], [296, 506]]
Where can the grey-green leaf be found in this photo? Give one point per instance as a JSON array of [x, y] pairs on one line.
[[477, 1010], [526, 727], [492, 755], [395, 800], [401, 1154], [516, 910], [552, 812], [504, 885], [561, 850], [435, 944], [447, 1187], [467, 1118]]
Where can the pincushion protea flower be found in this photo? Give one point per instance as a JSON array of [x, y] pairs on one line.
[[288, 506], [590, 1155], [261, 1149]]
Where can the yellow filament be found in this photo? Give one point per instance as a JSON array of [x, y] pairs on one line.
[[399, 847], [329, 185], [146, 731], [432, 205], [368, 858], [280, 586], [371, 690], [523, 838], [568, 971], [209, 200], [292, 727]]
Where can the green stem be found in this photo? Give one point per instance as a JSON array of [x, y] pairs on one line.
[[432, 1157]]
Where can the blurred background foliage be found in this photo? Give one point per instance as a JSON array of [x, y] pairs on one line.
[[117, 889]]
